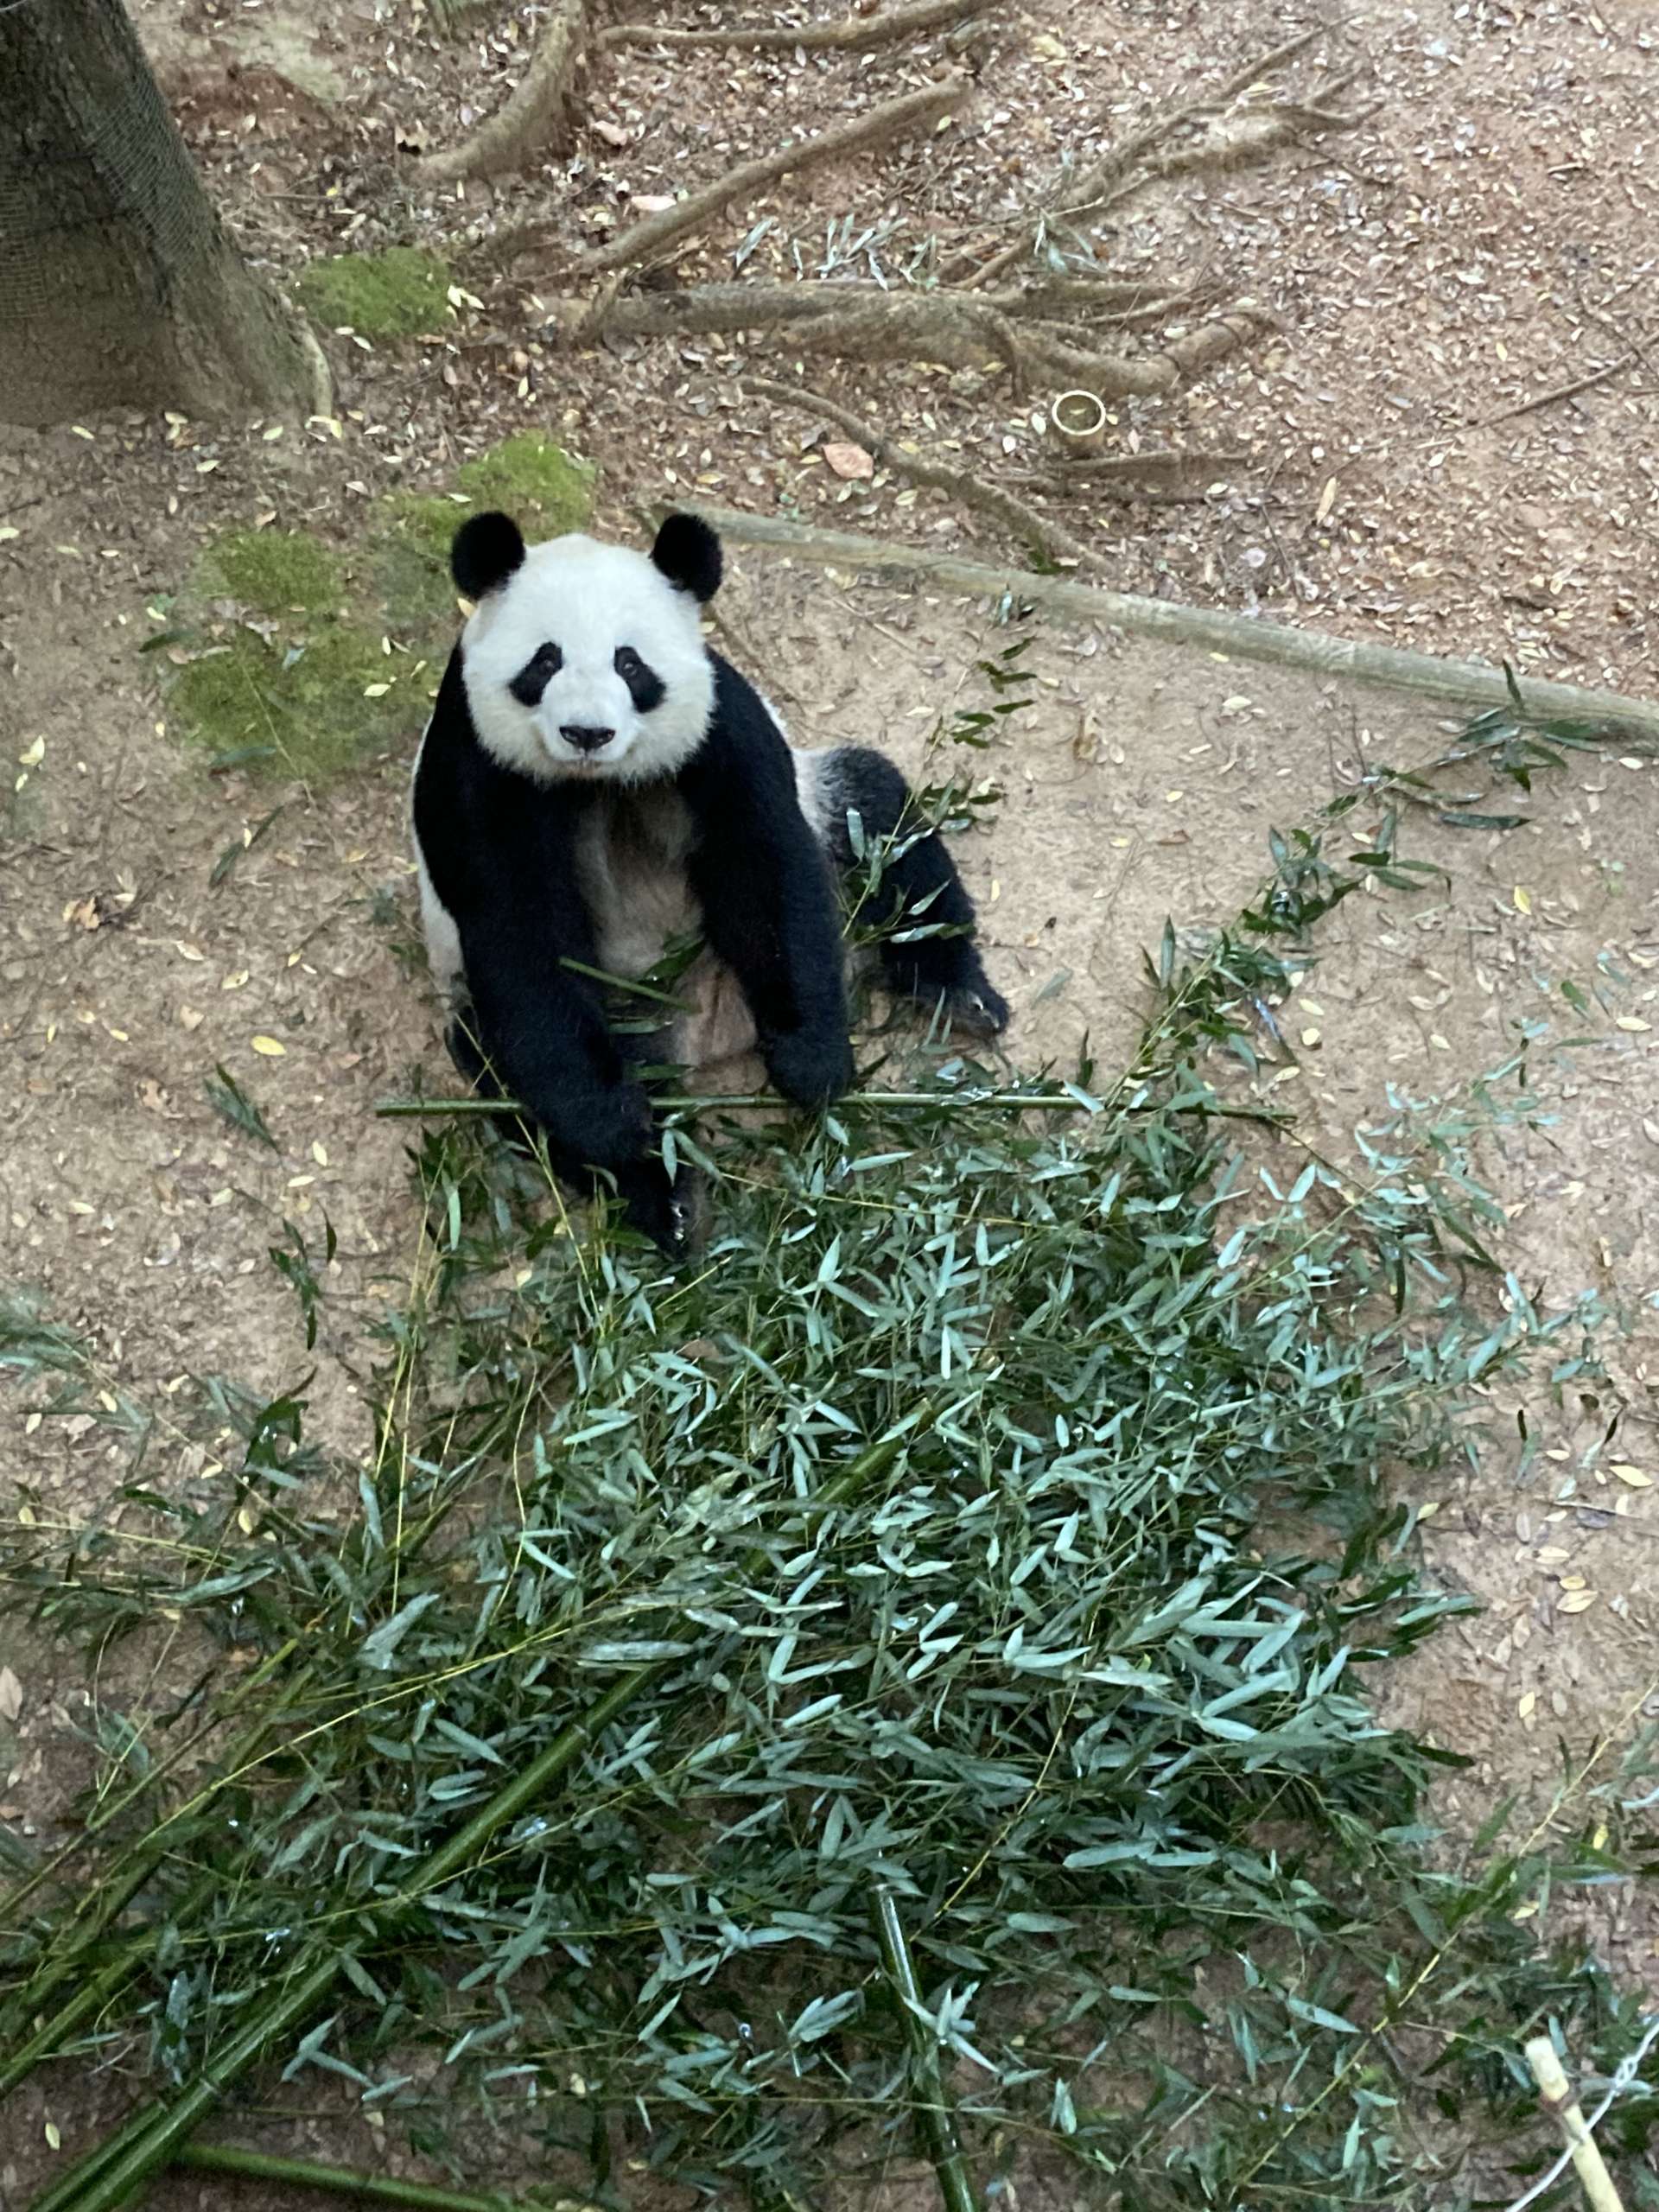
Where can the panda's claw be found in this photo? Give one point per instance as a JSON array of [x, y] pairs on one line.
[[978, 1008]]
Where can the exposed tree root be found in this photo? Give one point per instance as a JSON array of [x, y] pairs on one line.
[[955, 336], [962, 330], [852, 34], [1049, 538], [1117, 160], [707, 308], [533, 118], [1233, 637], [893, 119], [1230, 143], [1160, 465]]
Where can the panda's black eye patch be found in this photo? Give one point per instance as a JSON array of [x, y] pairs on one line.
[[536, 674], [645, 688]]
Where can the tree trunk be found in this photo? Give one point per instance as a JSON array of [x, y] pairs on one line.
[[118, 286]]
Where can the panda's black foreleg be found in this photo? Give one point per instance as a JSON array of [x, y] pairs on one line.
[[769, 909], [907, 892], [659, 1206]]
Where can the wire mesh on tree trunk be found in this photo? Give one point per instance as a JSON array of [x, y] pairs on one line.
[[117, 283]]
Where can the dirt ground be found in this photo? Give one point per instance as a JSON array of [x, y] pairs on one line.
[[1486, 235]]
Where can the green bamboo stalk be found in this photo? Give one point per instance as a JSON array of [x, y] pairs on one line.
[[114, 1807], [938, 2121], [341, 2181], [92, 1995], [88, 2000], [1012, 1102], [154, 2136], [114, 2169]]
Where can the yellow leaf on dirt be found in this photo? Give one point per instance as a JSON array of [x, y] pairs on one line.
[[1522, 900], [1633, 1021], [1635, 1476], [268, 1047], [1578, 1601]]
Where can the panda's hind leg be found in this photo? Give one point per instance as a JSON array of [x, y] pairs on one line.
[[919, 889]]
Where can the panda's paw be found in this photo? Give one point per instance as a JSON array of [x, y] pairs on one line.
[[978, 1008], [611, 1129], [810, 1067], [668, 1211]]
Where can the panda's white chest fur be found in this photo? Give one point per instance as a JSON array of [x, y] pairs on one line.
[[631, 857]]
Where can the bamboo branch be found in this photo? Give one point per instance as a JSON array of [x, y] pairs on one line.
[[852, 34], [532, 118], [342, 2181], [1559, 2099], [1013, 1102], [891, 119], [1232, 637], [939, 2122], [154, 2136], [1049, 537]]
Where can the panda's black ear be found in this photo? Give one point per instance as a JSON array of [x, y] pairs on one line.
[[688, 553], [486, 550]]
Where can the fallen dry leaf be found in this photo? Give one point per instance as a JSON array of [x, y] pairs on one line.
[[849, 462], [11, 1694], [268, 1047]]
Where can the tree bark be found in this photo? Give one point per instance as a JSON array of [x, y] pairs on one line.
[[118, 286]]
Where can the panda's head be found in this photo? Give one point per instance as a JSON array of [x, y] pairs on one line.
[[586, 661]]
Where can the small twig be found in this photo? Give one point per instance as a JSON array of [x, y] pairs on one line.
[[851, 35], [939, 2122], [891, 119], [1558, 391], [1049, 537], [531, 118], [1555, 2092]]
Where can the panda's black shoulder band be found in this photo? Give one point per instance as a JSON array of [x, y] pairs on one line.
[[688, 553], [487, 550]]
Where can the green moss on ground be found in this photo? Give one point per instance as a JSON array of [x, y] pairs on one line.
[[309, 708], [409, 539], [545, 489], [276, 571], [398, 293], [301, 694]]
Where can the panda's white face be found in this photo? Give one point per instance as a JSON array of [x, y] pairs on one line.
[[588, 664]]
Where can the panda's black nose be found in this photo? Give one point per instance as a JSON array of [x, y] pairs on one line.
[[585, 739]]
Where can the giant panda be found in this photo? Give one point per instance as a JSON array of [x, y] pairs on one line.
[[593, 783]]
